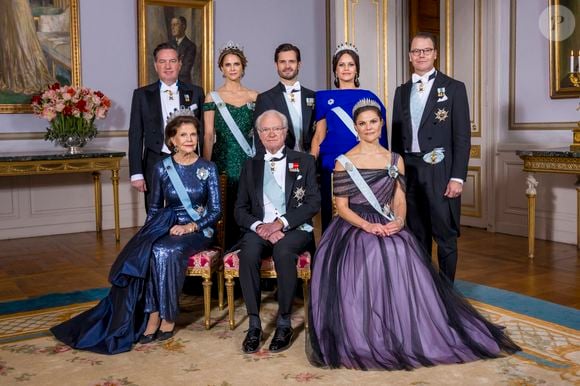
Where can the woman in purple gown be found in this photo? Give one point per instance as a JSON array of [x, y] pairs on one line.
[[377, 302]]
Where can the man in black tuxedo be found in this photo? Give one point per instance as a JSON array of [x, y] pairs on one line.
[[277, 198], [186, 49], [149, 110], [290, 98], [431, 130]]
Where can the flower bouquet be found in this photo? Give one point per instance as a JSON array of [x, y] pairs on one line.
[[71, 113]]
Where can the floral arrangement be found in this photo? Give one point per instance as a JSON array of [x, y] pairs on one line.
[[71, 112]]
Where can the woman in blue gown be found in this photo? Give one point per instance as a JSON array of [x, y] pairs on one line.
[[376, 300], [335, 133], [148, 274]]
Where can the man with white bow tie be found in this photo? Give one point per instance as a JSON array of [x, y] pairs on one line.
[[290, 98], [432, 131], [150, 108], [277, 198]]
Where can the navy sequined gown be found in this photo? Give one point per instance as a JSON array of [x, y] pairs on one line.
[[148, 274], [377, 302]]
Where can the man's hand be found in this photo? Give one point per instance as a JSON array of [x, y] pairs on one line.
[[267, 229], [276, 236], [139, 185], [453, 190]]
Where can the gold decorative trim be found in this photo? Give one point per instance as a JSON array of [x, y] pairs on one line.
[[513, 125], [476, 122], [449, 37], [206, 6], [40, 135], [475, 152], [328, 46], [564, 165], [75, 56], [58, 166], [556, 73], [473, 210]]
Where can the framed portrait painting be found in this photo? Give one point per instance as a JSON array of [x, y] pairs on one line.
[[188, 24], [564, 19], [39, 45]]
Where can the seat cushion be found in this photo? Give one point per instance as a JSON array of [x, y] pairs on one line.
[[205, 259], [232, 262]]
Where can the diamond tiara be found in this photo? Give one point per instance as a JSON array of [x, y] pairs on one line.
[[181, 112], [345, 46], [365, 102], [230, 45]]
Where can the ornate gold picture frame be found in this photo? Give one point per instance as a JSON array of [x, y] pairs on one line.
[[155, 19], [43, 41], [562, 47]]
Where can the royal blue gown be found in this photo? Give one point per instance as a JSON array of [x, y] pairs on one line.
[[148, 274], [378, 303], [339, 139]]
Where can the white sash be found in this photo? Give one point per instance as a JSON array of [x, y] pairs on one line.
[[364, 188], [296, 121], [232, 125], [346, 119]]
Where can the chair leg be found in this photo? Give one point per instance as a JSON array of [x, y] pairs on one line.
[[207, 300], [221, 289], [306, 294], [231, 309]]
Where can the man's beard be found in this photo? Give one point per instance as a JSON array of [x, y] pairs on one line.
[[288, 77]]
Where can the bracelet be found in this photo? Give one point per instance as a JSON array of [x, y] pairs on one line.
[[400, 220]]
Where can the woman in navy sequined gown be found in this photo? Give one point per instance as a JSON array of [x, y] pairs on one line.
[[148, 274], [376, 301], [332, 136]]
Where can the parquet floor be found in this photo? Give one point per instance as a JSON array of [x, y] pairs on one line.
[[37, 266]]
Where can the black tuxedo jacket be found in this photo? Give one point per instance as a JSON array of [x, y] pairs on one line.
[[147, 121], [453, 132], [273, 99], [249, 206]]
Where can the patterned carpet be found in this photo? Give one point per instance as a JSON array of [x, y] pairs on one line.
[[195, 356]]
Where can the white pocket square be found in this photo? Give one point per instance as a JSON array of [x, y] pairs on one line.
[[299, 177], [193, 107], [442, 99]]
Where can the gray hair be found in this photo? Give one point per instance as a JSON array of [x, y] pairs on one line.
[[272, 112]]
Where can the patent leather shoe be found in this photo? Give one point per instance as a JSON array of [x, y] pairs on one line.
[[145, 339], [252, 341], [282, 339], [164, 335]]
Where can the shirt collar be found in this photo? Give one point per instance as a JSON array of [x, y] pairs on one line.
[[425, 78], [279, 154], [295, 87], [172, 87]]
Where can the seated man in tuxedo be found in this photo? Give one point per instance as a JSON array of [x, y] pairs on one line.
[[277, 198]]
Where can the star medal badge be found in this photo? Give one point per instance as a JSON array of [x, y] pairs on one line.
[[441, 115], [299, 194]]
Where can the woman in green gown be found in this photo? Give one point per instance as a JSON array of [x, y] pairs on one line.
[[228, 128]]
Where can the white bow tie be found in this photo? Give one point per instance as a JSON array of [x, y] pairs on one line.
[[415, 78], [171, 89], [295, 87], [279, 156]]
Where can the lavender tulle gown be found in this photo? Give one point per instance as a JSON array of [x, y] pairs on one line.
[[378, 303]]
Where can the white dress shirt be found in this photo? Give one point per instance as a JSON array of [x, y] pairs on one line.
[[297, 103], [270, 212]]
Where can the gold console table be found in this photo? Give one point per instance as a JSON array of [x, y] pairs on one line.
[[88, 161], [548, 161]]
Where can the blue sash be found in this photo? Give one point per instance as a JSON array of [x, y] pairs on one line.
[[365, 189], [232, 125], [182, 193], [296, 118]]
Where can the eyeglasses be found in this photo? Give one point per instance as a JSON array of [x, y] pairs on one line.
[[268, 130], [422, 51]]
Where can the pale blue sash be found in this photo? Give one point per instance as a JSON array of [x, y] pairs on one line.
[[364, 188], [276, 195], [296, 121], [346, 119], [232, 125], [182, 193]]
